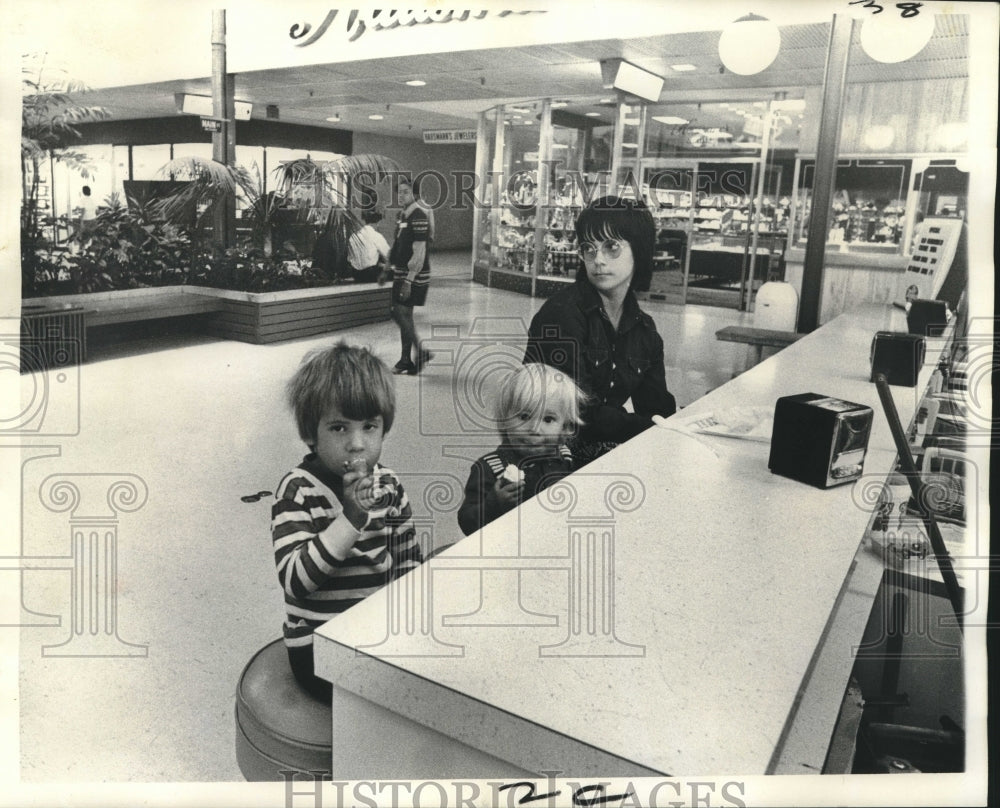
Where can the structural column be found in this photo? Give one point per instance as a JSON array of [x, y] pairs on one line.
[[830, 121]]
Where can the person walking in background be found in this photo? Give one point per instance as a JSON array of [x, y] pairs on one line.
[[411, 277], [88, 211], [368, 250], [595, 331]]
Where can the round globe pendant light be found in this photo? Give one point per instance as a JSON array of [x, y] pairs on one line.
[[892, 39], [749, 45]]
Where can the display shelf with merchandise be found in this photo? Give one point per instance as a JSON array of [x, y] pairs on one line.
[[869, 208]]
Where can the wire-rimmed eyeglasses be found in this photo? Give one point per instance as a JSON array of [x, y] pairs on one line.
[[610, 249]]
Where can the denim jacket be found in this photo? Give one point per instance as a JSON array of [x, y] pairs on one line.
[[572, 332]]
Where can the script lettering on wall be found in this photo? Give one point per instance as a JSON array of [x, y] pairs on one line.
[[358, 22]]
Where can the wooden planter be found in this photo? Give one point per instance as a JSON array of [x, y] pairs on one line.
[[244, 316], [275, 316]]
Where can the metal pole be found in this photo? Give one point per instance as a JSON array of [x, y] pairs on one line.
[[229, 127], [827, 147], [746, 283], [909, 469], [220, 151]]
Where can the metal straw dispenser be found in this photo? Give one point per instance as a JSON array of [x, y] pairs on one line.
[[819, 439]]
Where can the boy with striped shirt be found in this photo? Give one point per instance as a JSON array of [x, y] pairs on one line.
[[341, 524]]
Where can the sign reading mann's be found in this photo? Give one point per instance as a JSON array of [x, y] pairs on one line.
[[449, 136]]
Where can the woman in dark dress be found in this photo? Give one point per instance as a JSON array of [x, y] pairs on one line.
[[595, 331]]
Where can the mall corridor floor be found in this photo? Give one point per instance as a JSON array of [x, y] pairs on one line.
[[180, 429]]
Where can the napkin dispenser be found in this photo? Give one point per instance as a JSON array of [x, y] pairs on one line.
[[819, 440], [899, 357]]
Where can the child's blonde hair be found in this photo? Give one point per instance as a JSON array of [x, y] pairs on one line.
[[353, 379], [536, 387]]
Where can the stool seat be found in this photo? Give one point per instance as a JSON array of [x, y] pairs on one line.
[[279, 725]]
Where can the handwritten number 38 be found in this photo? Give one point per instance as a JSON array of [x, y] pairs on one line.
[[906, 9]]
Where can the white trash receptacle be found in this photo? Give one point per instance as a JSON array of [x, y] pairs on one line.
[[776, 307]]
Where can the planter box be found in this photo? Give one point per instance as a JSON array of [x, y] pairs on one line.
[[275, 316], [244, 316]]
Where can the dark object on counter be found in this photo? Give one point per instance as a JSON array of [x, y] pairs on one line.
[[819, 440], [927, 318], [898, 357]]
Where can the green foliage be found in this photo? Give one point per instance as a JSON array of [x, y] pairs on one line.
[[121, 249], [49, 115], [161, 241], [248, 269]]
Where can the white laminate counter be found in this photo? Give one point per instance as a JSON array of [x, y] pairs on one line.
[[664, 613]]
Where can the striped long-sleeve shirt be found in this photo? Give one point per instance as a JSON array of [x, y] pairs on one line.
[[316, 584]]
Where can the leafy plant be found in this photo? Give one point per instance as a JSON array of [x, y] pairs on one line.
[[122, 250], [49, 115], [209, 184], [332, 183]]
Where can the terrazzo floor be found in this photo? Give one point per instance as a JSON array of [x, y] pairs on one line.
[[187, 425]]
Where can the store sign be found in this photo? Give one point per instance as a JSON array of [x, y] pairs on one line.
[[211, 124], [357, 22], [449, 136]]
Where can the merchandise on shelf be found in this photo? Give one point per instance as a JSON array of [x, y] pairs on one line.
[[861, 221], [721, 214]]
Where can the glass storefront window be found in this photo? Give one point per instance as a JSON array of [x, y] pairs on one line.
[[148, 160], [519, 194], [869, 204], [484, 195]]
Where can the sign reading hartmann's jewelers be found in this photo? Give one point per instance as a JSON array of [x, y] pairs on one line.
[[357, 21], [449, 136]]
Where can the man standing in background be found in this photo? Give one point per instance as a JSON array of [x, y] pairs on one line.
[[411, 267]]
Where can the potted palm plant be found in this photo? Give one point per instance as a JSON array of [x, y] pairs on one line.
[[309, 207], [319, 194], [49, 116]]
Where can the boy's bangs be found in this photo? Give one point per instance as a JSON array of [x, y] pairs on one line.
[[357, 400]]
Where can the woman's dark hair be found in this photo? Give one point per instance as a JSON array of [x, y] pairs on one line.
[[371, 216], [625, 219]]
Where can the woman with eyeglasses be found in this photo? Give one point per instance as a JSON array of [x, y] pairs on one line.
[[595, 331]]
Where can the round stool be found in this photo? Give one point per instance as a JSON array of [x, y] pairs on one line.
[[279, 726]]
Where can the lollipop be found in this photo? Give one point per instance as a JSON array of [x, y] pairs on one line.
[[356, 464]]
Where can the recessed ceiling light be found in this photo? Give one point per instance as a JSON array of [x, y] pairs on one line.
[[559, 104], [683, 68], [335, 118], [376, 117], [605, 101], [416, 83], [593, 114], [559, 146], [630, 145]]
